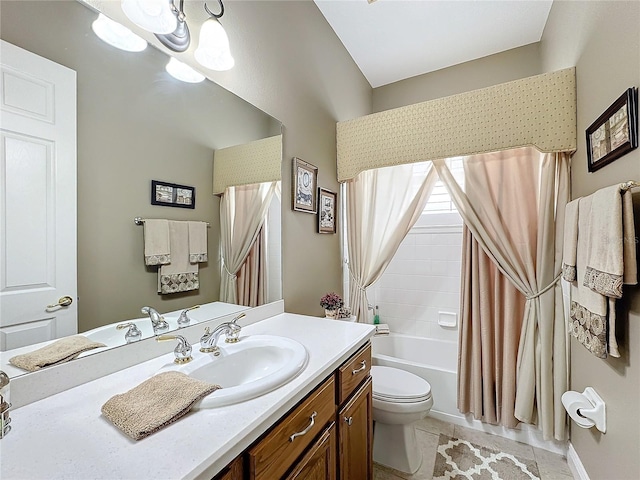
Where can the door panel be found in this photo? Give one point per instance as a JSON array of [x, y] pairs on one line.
[[37, 198]]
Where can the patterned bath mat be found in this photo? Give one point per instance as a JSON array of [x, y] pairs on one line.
[[458, 459]]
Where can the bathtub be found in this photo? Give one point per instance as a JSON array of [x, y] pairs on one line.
[[434, 360]]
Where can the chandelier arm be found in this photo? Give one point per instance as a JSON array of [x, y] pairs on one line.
[[215, 15]]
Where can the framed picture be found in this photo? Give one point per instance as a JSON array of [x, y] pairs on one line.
[[615, 132], [327, 210], [172, 195], [304, 181]]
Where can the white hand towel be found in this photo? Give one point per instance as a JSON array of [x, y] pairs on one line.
[[157, 250], [570, 244], [197, 242], [180, 275]]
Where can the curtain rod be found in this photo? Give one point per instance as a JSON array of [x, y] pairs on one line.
[[140, 221]]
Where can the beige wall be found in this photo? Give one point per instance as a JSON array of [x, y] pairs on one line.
[[602, 39], [290, 64], [134, 125], [499, 68]]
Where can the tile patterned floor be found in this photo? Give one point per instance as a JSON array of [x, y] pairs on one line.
[[550, 465]]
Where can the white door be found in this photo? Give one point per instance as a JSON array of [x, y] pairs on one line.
[[37, 198]]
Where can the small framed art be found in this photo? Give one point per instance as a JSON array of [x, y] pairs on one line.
[[615, 132], [327, 210], [172, 195], [304, 181]]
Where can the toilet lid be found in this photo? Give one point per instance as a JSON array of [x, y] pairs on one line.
[[393, 384]]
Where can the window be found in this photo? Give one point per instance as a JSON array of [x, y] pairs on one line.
[[440, 201]]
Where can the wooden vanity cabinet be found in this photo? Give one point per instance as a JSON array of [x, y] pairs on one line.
[[327, 436]]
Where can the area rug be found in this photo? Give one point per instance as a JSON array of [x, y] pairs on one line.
[[457, 458]]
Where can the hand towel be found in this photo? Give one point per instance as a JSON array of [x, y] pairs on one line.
[[382, 329], [198, 242], [180, 275], [570, 243], [55, 353], [157, 249], [155, 403], [611, 252]]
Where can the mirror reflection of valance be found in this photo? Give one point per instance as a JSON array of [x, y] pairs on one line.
[[538, 111], [254, 162]]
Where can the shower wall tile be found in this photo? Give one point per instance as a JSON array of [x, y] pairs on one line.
[[422, 279]]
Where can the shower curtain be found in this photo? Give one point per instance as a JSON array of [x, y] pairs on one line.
[[513, 205]]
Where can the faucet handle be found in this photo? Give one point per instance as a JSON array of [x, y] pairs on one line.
[[232, 332], [183, 319], [182, 350], [133, 334]]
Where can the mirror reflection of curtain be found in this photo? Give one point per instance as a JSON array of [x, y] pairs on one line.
[[382, 206], [513, 368], [252, 276], [243, 210]]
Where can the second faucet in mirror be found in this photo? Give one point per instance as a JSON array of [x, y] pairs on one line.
[[157, 320]]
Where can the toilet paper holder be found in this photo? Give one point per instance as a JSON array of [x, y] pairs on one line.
[[590, 413]]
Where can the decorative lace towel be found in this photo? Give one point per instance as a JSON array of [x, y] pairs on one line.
[[155, 403], [570, 244], [611, 251], [58, 352], [198, 242], [157, 249], [180, 275]]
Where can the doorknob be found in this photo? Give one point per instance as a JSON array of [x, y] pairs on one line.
[[62, 302]]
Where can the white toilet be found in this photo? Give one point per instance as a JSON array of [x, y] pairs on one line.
[[400, 399]]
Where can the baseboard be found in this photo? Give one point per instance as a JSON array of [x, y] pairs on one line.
[[524, 433], [575, 465]]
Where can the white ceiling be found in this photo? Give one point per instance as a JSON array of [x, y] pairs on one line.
[[391, 40]]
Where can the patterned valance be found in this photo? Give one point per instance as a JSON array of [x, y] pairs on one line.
[[254, 162], [538, 111]]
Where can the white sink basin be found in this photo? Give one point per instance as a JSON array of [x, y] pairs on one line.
[[255, 365]]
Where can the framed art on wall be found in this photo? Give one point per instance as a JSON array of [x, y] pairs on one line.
[[304, 181], [172, 195], [615, 132], [327, 201]]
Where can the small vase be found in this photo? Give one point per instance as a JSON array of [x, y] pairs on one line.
[[330, 313]]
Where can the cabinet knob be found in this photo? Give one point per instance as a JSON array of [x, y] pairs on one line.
[[348, 420], [363, 366]]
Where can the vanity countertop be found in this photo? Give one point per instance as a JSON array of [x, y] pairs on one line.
[[65, 436]]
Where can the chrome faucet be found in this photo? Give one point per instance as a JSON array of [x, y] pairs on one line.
[[209, 341], [182, 351], [157, 320], [133, 334], [183, 319]]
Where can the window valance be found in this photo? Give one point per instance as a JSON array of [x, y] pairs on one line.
[[538, 111], [254, 162]]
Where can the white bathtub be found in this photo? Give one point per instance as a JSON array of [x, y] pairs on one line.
[[434, 360]]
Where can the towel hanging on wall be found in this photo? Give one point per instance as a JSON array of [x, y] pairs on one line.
[[180, 275]]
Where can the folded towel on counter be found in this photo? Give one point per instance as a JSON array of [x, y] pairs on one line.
[[570, 243], [180, 275], [60, 351], [198, 242], [157, 248], [382, 329], [155, 403]]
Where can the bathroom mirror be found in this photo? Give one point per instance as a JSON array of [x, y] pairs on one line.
[[135, 124]]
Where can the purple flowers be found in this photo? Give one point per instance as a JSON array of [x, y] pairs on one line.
[[331, 301]]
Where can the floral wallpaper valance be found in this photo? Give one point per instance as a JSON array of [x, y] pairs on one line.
[[538, 111]]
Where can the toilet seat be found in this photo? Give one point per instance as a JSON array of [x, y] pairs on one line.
[[398, 386]]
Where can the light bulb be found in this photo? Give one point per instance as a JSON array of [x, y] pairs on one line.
[[182, 71], [213, 48], [117, 35], [157, 16]]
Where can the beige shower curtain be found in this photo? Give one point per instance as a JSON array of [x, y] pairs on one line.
[[242, 213], [252, 276], [382, 206], [513, 204]]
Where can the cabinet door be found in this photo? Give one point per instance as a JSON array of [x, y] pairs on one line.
[[233, 471], [319, 463], [355, 435]]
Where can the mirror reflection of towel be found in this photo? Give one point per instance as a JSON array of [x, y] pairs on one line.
[[197, 242], [60, 351], [180, 275]]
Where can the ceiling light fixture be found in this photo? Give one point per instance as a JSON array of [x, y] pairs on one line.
[[183, 72], [157, 16], [117, 35]]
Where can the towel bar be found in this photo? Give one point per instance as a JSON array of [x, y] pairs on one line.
[[140, 221], [629, 185]]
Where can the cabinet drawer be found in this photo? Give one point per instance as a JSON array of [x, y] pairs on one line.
[[319, 463], [275, 453], [353, 372]]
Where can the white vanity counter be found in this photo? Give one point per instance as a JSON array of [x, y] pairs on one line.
[[65, 436]]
